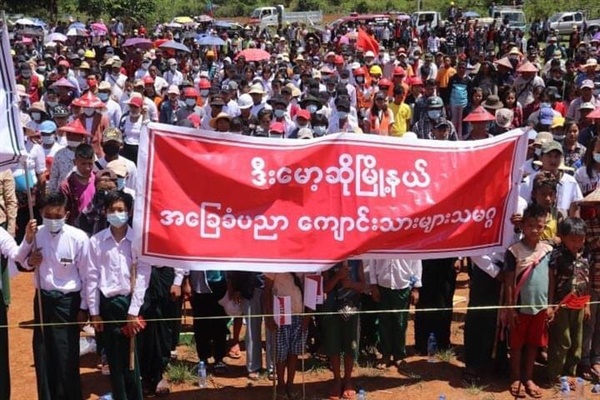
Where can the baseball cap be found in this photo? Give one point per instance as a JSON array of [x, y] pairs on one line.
[[587, 83], [47, 127], [441, 123], [552, 146], [112, 134], [173, 89], [305, 133], [435, 102], [546, 116]]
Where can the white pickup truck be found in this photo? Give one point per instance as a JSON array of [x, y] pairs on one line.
[[563, 22], [433, 19], [274, 16]]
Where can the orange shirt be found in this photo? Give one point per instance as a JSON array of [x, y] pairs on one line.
[[444, 75]]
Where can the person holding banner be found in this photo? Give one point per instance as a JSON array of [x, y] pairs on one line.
[[60, 253], [289, 326], [110, 295]]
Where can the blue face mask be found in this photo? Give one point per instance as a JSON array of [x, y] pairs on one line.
[[342, 115], [103, 96], [117, 219], [319, 130], [54, 225], [279, 113], [120, 183]]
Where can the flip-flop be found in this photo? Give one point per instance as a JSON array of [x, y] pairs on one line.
[[349, 394], [534, 391], [235, 352], [515, 389]]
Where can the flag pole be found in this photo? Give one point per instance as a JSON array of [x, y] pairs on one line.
[[132, 338]]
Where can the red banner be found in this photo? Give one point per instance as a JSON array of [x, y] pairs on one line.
[[222, 201]]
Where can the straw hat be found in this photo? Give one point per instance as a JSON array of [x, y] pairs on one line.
[[527, 67], [479, 115]]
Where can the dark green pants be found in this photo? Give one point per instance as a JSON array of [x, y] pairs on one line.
[[480, 325], [154, 342], [392, 326], [565, 341], [4, 365], [56, 351], [126, 384]]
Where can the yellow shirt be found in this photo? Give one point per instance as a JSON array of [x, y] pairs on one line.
[[444, 75], [402, 114]]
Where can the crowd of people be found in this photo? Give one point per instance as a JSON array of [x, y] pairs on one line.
[[86, 102]]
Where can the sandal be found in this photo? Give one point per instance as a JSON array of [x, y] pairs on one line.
[[253, 376], [515, 389], [533, 390], [349, 394], [220, 368]]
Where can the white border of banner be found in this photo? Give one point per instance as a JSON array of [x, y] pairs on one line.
[[145, 164]]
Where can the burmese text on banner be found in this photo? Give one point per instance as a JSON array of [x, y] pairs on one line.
[[207, 200]]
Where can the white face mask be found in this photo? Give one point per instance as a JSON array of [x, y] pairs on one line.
[[52, 103], [36, 116], [145, 65], [173, 68], [204, 93], [597, 157], [73, 143], [89, 111], [54, 225], [342, 114], [311, 108], [196, 68]]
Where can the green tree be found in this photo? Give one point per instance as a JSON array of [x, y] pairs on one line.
[[141, 10]]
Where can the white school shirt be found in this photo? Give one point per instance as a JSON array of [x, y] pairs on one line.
[[395, 274], [567, 191], [8, 248], [65, 260], [110, 271]]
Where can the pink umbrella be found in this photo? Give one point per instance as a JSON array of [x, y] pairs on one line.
[[254, 55], [99, 27], [344, 40], [26, 40]]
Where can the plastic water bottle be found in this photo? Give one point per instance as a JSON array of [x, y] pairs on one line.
[[579, 389], [201, 375], [565, 390], [362, 395], [431, 348], [596, 388], [107, 396], [442, 397]]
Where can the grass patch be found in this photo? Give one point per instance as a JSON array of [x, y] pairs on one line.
[[474, 389], [180, 372], [369, 371], [186, 339], [447, 355]]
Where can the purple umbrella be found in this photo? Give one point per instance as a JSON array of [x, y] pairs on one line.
[[138, 42], [597, 36], [173, 45]]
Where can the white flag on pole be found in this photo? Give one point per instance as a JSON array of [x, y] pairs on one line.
[[12, 149]]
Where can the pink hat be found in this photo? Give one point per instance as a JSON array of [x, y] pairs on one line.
[[479, 115]]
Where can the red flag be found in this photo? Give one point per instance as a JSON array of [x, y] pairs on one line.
[[366, 42]]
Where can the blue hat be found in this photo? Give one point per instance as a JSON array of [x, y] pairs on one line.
[[546, 116], [48, 127]]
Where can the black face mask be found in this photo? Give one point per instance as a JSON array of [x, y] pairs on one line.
[[111, 149]]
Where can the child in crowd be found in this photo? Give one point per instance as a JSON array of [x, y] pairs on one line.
[[545, 187], [526, 283], [567, 298], [79, 187]]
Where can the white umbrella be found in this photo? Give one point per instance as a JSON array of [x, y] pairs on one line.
[[24, 21]]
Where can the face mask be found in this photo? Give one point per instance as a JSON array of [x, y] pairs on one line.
[[41, 70], [145, 65], [103, 96], [52, 103], [89, 111], [36, 116], [196, 68], [117, 219], [173, 68], [311, 108], [342, 115], [111, 149], [279, 113], [319, 130], [597, 157], [434, 114], [54, 225], [26, 74], [48, 139], [344, 81], [116, 74], [135, 114], [204, 93], [538, 151], [120, 183], [190, 102], [559, 138], [359, 79], [296, 77], [73, 143]]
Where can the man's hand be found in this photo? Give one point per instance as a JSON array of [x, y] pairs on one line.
[[175, 292], [414, 296], [186, 290], [35, 258], [516, 220], [458, 265], [270, 323], [30, 230], [82, 318], [134, 325], [550, 314], [586, 312], [97, 323], [375, 293]]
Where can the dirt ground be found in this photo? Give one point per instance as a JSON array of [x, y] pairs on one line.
[[419, 379]]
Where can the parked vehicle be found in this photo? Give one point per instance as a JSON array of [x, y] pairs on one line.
[[363, 19], [563, 22], [433, 19], [274, 16], [514, 15]]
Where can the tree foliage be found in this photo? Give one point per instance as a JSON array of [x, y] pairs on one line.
[[141, 10]]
